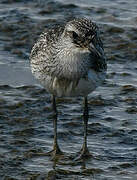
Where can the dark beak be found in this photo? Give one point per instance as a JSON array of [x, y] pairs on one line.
[[96, 50]]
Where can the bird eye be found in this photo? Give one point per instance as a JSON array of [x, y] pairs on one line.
[[75, 35]]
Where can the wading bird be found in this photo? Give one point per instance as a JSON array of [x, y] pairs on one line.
[[69, 60]]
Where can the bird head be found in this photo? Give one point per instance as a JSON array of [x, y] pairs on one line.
[[82, 33]]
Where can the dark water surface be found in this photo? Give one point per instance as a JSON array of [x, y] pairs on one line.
[[26, 130]]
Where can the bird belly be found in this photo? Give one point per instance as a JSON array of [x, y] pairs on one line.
[[90, 83], [81, 87]]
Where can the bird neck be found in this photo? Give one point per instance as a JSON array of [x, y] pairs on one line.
[[73, 62]]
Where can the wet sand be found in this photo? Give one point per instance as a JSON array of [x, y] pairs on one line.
[[26, 115]]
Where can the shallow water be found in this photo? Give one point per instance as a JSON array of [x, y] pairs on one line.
[[26, 130]]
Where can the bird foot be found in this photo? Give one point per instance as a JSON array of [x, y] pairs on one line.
[[55, 153], [83, 154]]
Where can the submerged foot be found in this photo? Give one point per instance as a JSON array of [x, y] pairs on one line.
[[83, 154], [55, 153]]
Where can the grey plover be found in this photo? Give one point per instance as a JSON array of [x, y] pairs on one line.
[[69, 60]]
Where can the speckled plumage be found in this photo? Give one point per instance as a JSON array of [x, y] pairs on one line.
[[69, 60]]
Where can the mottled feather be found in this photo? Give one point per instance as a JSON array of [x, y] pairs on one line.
[[66, 58]]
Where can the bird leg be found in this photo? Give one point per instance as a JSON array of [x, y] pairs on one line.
[[84, 149], [56, 150], [84, 152], [55, 144]]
